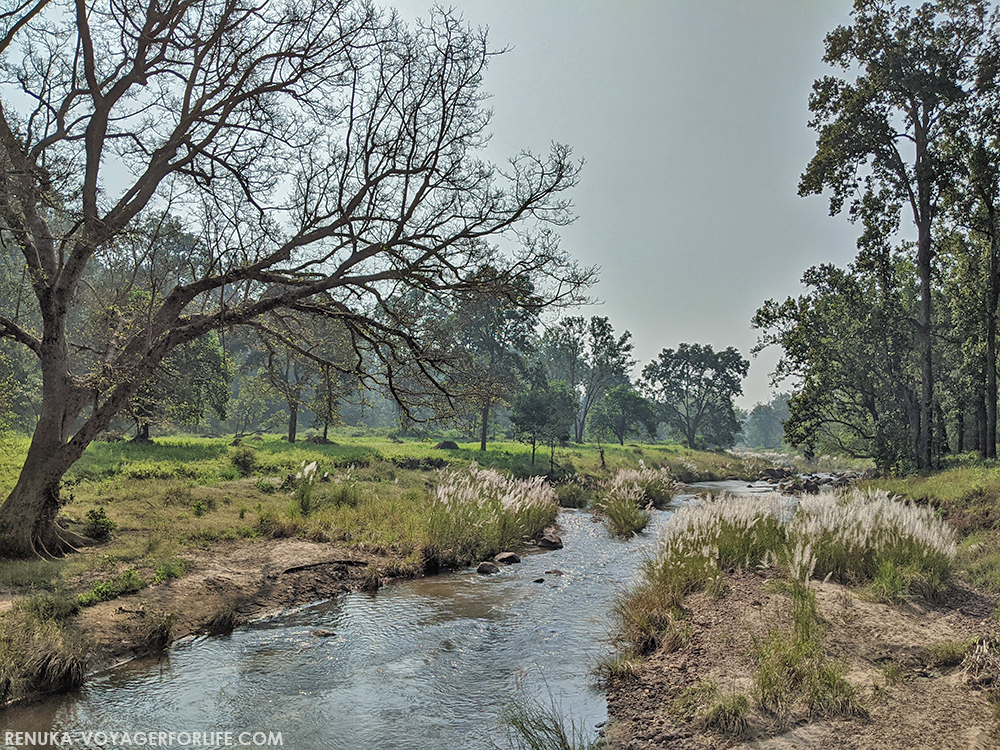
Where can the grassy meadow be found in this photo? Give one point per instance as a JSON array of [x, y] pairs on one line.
[[152, 501]]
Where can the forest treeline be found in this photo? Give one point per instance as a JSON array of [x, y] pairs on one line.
[[894, 357]]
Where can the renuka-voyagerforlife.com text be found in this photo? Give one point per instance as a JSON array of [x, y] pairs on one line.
[[17, 740]]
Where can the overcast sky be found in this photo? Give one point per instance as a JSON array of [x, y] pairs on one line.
[[692, 118]]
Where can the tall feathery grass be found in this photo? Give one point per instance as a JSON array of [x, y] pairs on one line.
[[859, 538], [479, 512], [627, 498], [658, 485], [622, 503]]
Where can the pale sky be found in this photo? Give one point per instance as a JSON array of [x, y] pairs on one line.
[[692, 118]]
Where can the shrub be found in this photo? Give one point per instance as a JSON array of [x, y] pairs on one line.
[[245, 460], [98, 526]]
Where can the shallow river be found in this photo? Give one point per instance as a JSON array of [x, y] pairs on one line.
[[425, 663]]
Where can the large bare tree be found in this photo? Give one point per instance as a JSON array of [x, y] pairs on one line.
[[325, 154]]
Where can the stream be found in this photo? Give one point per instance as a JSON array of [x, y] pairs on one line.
[[420, 664]]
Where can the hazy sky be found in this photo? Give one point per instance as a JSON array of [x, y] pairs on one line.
[[692, 118]]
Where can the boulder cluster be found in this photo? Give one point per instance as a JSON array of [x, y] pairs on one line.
[[791, 483]]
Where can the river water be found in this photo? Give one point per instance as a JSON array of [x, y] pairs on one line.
[[425, 663]]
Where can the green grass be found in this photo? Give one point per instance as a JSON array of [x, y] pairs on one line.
[[157, 500], [40, 649], [529, 724], [128, 582]]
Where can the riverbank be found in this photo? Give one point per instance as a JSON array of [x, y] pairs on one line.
[[889, 656], [203, 535]]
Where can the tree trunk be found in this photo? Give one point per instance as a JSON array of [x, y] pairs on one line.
[[28, 517], [326, 426], [960, 427], [532, 450], [293, 421], [992, 296], [485, 425], [925, 440], [981, 424], [942, 432]]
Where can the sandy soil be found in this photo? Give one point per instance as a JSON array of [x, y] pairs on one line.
[[241, 579], [911, 703]]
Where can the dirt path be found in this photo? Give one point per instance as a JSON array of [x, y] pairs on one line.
[[912, 700]]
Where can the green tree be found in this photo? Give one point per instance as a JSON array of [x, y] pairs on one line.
[[765, 425], [851, 343], [544, 414], [881, 132], [694, 386], [190, 381], [588, 357], [327, 154], [622, 412], [497, 330]]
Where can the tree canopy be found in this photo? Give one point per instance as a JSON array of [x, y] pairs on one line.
[[325, 156], [694, 386]]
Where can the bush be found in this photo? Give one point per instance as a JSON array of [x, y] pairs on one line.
[[658, 485], [245, 460], [98, 526]]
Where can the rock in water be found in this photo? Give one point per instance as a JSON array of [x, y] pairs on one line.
[[507, 558], [486, 568], [550, 541], [323, 633]]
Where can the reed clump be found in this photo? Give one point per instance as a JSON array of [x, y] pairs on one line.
[[859, 538], [621, 504], [475, 514], [627, 498]]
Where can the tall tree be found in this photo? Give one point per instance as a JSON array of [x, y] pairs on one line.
[[622, 412], [972, 198], [851, 343], [695, 386], [496, 330], [880, 132], [325, 153]]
